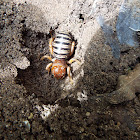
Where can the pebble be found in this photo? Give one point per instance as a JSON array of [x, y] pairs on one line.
[[88, 114]]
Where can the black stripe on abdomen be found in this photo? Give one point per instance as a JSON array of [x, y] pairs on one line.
[[61, 48], [61, 53], [58, 42], [64, 34], [63, 37]]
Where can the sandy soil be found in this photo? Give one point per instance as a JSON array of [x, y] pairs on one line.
[[33, 104]]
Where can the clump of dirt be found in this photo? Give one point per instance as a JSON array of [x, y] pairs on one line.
[[128, 86], [34, 105]]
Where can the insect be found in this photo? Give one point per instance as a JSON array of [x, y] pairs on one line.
[[61, 47]]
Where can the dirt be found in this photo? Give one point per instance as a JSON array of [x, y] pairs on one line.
[[35, 105]]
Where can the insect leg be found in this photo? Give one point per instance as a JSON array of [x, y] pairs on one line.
[[73, 60], [46, 56], [69, 74], [48, 67], [50, 45], [72, 48]]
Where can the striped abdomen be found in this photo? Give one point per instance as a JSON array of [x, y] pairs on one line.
[[62, 45]]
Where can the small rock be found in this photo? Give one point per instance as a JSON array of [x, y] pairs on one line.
[[31, 116], [88, 114], [22, 63]]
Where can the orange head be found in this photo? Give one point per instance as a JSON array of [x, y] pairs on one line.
[[59, 69]]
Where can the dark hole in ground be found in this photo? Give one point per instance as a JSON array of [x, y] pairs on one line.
[[81, 17], [35, 78], [137, 93], [125, 52], [138, 59], [69, 102], [22, 21], [40, 35]]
